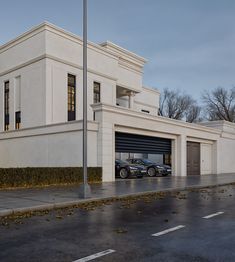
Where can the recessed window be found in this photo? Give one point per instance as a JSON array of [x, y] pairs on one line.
[[17, 102], [71, 97], [96, 93], [145, 111], [6, 105], [17, 120]]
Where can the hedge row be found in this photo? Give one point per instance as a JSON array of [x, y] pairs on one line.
[[30, 177]]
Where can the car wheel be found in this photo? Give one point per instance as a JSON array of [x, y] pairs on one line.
[[123, 173], [151, 172]]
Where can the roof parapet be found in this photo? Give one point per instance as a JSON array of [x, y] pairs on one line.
[[122, 51]]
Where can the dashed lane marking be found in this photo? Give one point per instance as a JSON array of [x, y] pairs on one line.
[[167, 231], [213, 215], [94, 256]]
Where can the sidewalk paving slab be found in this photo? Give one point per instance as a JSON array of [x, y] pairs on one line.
[[26, 200]]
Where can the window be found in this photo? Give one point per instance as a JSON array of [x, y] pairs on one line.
[[17, 102], [17, 120], [96, 92], [71, 97], [6, 106]]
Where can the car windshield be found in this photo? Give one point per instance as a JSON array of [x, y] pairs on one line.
[[120, 162], [147, 161]]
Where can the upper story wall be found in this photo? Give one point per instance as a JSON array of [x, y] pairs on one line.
[[47, 40], [130, 66], [148, 101], [22, 50], [67, 49], [27, 94], [44, 56]]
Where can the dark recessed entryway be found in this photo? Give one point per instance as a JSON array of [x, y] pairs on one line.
[[155, 149], [193, 158]]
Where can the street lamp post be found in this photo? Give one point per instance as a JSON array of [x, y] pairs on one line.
[[84, 191]]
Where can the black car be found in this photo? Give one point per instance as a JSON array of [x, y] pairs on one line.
[[124, 170], [151, 168]]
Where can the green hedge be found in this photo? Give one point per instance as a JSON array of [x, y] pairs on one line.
[[30, 177]]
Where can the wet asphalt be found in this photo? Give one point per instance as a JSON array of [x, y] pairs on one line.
[[127, 227]]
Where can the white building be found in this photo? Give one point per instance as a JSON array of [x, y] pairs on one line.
[[41, 109]]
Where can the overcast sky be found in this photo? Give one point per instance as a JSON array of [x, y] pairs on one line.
[[189, 44]]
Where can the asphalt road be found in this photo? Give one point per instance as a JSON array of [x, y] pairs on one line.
[[162, 228]]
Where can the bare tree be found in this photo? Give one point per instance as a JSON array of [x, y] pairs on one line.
[[193, 113], [178, 106], [220, 104]]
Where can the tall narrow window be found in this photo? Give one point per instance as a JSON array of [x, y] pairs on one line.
[[17, 102], [17, 120], [96, 93], [6, 106], [71, 97]]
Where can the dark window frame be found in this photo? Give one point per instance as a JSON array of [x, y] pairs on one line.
[[6, 105], [71, 97]]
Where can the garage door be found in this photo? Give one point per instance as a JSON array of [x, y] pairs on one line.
[[193, 158], [131, 143]]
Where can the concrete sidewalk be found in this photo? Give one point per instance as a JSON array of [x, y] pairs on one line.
[[23, 200]]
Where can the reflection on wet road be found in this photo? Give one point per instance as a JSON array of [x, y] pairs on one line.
[[196, 225]]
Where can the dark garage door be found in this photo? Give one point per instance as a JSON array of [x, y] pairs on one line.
[[193, 158], [131, 143]]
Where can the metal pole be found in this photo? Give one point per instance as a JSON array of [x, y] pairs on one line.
[[85, 191]]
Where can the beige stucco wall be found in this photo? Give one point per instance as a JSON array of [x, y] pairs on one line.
[[57, 145], [123, 120]]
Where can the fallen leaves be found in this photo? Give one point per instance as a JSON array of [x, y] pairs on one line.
[[120, 230], [218, 193]]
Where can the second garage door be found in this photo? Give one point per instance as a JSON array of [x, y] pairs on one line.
[[193, 158]]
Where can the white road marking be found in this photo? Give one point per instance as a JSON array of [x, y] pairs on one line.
[[167, 231], [100, 254], [213, 215]]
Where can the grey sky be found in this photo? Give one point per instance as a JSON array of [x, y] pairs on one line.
[[190, 44]]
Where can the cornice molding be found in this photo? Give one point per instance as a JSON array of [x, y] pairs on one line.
[[120, 51], [49, 129], [37, 59]]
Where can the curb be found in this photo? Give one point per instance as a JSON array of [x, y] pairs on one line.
[[9, 212]]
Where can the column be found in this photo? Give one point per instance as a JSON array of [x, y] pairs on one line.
[[106, 147], [131, 100], [216, 158], [181, 156]]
